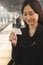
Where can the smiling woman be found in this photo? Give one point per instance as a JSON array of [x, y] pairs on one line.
[[31, 18], [28, 48]]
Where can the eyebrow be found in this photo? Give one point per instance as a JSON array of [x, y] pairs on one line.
[[28, 12]]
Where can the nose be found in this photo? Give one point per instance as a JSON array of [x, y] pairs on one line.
[[28, 17]]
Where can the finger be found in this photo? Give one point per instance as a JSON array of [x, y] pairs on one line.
[[13, 38], [14, 42], [12, 33]]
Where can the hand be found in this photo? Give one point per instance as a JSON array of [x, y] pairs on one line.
[[13, 38]]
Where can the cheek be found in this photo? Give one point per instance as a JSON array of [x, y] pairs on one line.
[[25, 18], [34, 18], [37, 18]]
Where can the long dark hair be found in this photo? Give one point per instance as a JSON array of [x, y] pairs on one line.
[[36, 7]]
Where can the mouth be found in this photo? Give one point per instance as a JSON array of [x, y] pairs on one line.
[[30, 22]]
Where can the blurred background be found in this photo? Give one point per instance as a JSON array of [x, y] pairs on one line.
[[10, 10]]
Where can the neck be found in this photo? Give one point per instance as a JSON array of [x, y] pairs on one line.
[[32, 29], [33, 26]]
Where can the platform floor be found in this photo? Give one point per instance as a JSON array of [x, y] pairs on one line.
[[5, 44], [5, 47]]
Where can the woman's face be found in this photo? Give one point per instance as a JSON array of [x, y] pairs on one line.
[[30, 16]]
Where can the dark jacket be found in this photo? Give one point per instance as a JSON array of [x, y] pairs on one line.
[[29, 50], [18, 23]]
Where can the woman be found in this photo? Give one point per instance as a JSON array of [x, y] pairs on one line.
[[27, 49]]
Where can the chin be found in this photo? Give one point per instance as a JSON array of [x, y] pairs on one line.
[[31, 23]]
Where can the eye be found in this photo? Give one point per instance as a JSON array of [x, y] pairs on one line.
[[31, 14], [25, 14]]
